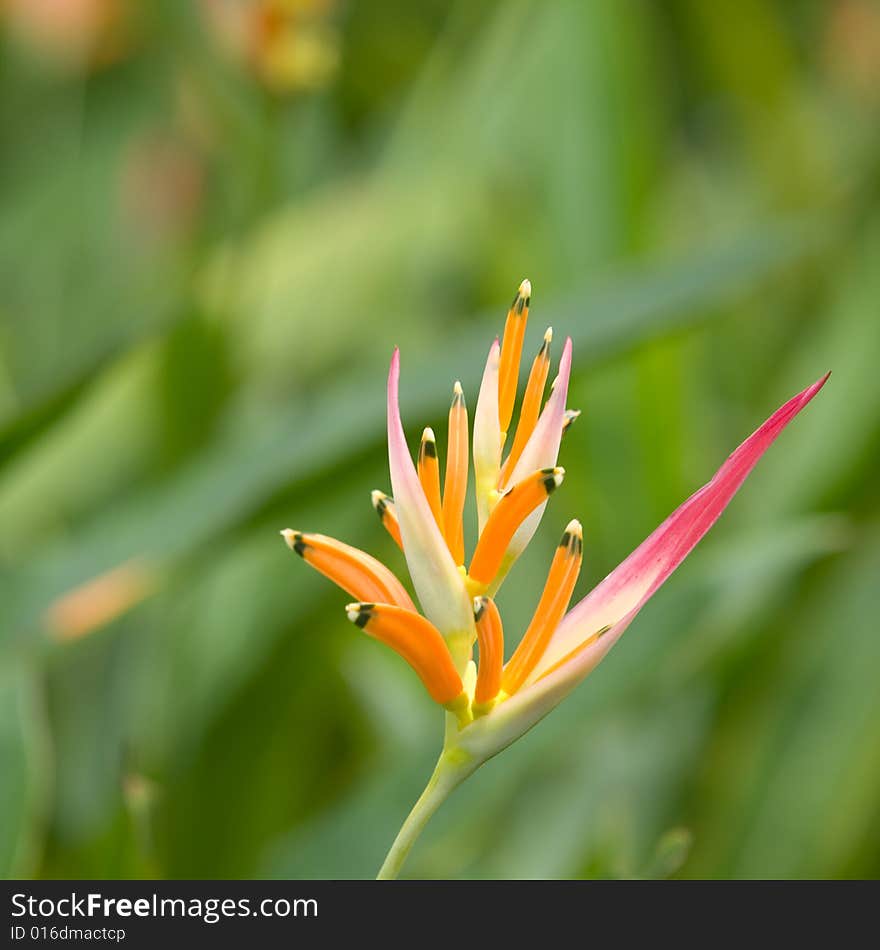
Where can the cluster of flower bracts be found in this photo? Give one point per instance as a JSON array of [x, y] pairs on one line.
[[457, 596]]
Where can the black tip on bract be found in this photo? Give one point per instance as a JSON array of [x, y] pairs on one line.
[[573, 538], [522, 298], [570, 416], [480, 607], [428, 445], [295, 541], [552, 479], [359, 614], [573, 541]]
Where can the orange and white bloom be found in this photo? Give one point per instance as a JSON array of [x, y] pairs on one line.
[[493, 703]]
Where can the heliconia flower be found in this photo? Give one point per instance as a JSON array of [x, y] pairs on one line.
[[492, 704]]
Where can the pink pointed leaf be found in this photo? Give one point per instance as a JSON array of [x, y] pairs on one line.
[[628, 587], [437, 581], [618, 599]]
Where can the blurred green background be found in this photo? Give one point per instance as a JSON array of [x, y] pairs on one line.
[[218, 217]]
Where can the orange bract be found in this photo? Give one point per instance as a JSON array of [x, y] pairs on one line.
[[511, 352], [490, 637], [354, 571], [387, 515], [553, 603], [429, 474], [417, 640], [514, 506], [455, 486], [531, 405]]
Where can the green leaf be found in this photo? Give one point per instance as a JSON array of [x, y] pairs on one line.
[[24, 764]]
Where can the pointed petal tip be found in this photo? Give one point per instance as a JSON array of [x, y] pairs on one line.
[[553, 478], [804, 397], [525, 288], [294, 540], [394, 374], [564, 365], [360, 613], [428, 435], [548, 335], [575, 527], [570, 416], [456, 388], [820, 383], [377, 497]]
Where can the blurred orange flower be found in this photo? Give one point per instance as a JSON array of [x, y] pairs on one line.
[[288, 44], [73, 34], [852, 46]]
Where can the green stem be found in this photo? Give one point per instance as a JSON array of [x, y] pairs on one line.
[[453, 767]]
